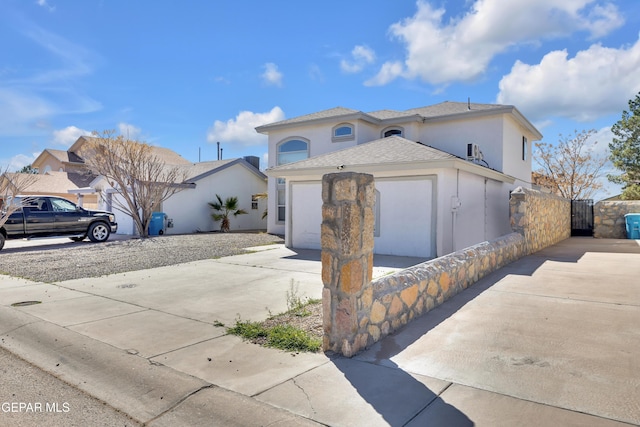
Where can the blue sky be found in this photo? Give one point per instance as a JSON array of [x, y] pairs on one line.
[[184, 75]]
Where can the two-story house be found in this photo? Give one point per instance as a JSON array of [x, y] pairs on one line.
[[443, 173]]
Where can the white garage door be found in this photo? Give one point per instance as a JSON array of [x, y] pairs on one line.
[[406, 213], [306, 215]]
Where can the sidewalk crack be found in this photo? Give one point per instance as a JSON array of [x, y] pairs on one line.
[[313, 410]]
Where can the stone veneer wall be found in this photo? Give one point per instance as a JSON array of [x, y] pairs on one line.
[[347, 257], [358, 312], [543, 219], [608, 218]]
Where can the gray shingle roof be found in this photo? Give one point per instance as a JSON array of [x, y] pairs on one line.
[[448, 108], [324, 114], [393, 149], [196, 171], [442, 109]]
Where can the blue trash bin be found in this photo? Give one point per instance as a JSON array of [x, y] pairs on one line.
[[632, 221], [158, 224]]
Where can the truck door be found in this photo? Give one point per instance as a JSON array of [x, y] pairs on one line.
[[38, 217], [69, 219]]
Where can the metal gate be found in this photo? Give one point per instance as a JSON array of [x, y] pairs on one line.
[[582, 217]]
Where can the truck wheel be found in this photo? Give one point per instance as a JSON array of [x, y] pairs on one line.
[[98, 232], [2, 239]]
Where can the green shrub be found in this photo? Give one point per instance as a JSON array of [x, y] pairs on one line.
[[287, 337]]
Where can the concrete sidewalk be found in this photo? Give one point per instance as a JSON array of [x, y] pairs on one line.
[[552, 339]]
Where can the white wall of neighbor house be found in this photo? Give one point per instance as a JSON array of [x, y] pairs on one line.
[[189, 208], [191, 213]]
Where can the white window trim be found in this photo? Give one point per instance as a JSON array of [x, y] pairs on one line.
[[351, 137], [390, 128], [292, 138]]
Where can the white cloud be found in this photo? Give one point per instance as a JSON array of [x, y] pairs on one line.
[[241, 130], [46, 5], [388, 72], [17, 162], [595, 82], [129, 131], [272, 76], [361, 56], [315, 73], [461, 49], [68, 135]]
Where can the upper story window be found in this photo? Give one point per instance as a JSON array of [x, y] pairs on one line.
[[292, 150], [343, 132], [525, 148], [392, 131]]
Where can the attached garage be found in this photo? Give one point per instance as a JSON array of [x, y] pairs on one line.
[[404, 216], [425, 198]]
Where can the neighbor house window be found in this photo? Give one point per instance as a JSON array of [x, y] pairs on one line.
[[392, 132], [343, 132], [288, 151], [254, 202], [524, 148]]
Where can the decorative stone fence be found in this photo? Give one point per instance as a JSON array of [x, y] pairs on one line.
[[608, 218], [543, 219], [357, 312]]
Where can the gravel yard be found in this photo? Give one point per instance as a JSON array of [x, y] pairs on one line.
[[85, 259]]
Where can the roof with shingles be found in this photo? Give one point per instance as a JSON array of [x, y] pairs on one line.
[[443, 109], [196, 171], [393, 149], [58, 182], [324, 114]]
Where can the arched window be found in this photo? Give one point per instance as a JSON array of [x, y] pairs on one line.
[[392, 131], [292, 150], [288, 151], [343, 132]]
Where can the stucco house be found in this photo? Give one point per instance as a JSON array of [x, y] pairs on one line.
[[443, 172], [188, 209]]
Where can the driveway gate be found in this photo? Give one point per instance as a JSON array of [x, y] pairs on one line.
[[582, 217]]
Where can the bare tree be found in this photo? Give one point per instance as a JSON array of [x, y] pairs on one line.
[[139, 176], [11, 185], [571, 168]]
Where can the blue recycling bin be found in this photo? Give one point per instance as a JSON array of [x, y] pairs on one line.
[[158, 224], [632, 221]]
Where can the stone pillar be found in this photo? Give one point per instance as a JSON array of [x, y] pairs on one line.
[[347, 259]]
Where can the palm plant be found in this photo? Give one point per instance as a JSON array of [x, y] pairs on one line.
[[224, 209]]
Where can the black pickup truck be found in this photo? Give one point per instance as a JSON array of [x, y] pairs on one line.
[[44, 216]]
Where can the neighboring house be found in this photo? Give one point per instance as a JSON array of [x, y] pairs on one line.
[[443, 172], [69, 185], [188, 208]]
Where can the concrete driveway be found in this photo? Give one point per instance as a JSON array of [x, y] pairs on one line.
[[552, 339]]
